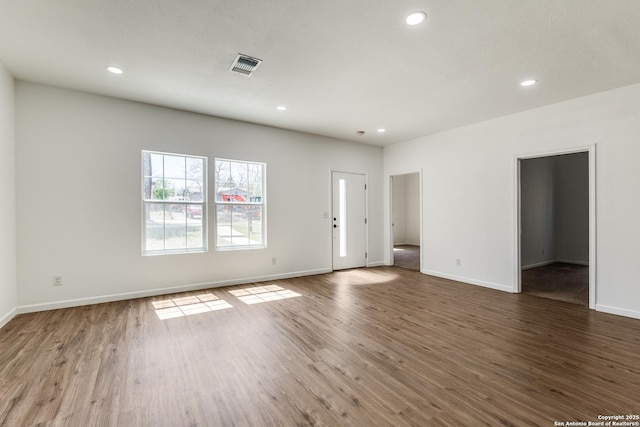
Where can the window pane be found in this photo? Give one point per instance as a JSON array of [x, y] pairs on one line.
[[194, 211], [174, 167], [154, 226], [254, 217], [147, 188], [175, 229], [174, 188], [146, 164], [195, 179], [195, 232], [255, 173], [223, 178], [156, 167], [159, 190], [175, 214], [194, 191], [255, 193], [255, 182], [223, 225], [240, 226], [239, 178]]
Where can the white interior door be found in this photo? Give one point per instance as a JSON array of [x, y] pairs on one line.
[[349, 220]]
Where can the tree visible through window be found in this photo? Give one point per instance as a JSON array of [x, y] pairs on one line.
[[240, 204], [174, 203]]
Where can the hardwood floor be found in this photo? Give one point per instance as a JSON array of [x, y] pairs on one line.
[[368, 347]]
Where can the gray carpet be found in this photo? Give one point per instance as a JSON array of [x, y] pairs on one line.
[[559, 281], [407, 256]]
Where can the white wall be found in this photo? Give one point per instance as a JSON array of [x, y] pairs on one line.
[[78, 192], [413, 209], [8, 293], [469, 190], [572, 208], [537, 183], [399, 210]]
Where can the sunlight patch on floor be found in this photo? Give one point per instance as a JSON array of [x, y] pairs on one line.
[[186, 306], [258, 294], [361, 276]]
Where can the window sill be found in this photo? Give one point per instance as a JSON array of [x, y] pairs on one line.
[[174, 252], [239, 248]]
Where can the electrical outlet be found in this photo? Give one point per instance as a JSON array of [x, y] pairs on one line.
[[273, 261], [458, 262], [57, 280]]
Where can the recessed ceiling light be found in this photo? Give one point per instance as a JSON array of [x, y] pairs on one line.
[[115, 70], [529, 82], [415, 18], [382, 130], [281, 108]]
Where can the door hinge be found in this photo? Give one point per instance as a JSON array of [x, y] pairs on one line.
[[365, 220], [366, 254], [365, 186]]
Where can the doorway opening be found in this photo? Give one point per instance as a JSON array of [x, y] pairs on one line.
[[556, 227], [405, 221]]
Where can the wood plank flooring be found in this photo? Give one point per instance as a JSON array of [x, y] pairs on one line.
[[369, 347]]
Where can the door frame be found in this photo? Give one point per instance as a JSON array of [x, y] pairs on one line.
[[366, 210], [389, 227], [591, 150]]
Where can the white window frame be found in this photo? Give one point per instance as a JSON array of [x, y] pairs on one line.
[[186, 204], [233, 204]]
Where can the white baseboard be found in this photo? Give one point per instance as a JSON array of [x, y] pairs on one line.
[[538, 264], [7, 317], [570, 261], [553, 261], [375, 264], [162, 291], [469, 281], [618, 311]]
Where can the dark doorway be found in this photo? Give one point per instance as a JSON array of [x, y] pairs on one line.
[[554, 218]]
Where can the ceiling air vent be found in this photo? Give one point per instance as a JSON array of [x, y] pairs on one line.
[[244, 64]]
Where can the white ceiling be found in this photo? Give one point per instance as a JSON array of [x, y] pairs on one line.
[[339, 66]]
